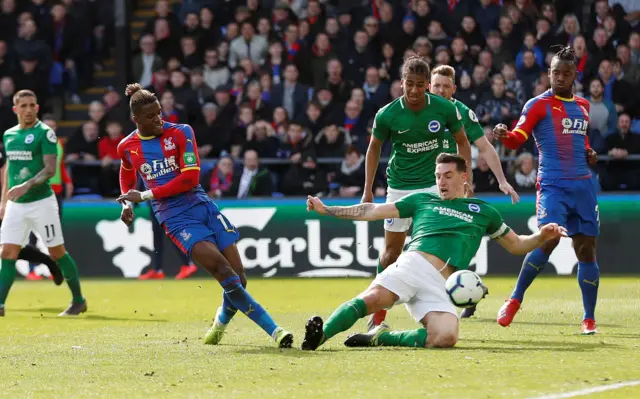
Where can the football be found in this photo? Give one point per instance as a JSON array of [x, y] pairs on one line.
[[465, 288]]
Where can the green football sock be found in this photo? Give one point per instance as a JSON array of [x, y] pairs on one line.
[[380, 269], [70, 273], [344, 317], [7, 275], [412, 338]]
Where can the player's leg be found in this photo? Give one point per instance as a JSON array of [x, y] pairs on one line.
[[45, 219], [187, 268], [207, 255], [227, 310], [396, 284], [430, 306], [33, 255], [552, 206], [583, 226], [13, 234]]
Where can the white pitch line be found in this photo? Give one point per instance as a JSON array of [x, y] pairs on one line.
[[588, 391]]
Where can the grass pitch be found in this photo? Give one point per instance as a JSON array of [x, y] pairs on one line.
[[144, 340]]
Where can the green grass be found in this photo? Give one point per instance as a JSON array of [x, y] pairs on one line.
[[143, 340]]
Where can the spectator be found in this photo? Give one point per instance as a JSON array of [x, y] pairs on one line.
[[529, 73], [66, 45], [438, 37], [619, 174], [495, 107], [248, 45], [329, 106], [30, 76], [544, 35], [246, 117], [602, 112], [600, 49], [226, 108], [530, 43], [252, 180], [163, 12], [292, 42], [511, 37], [218, 180], [145, 64], [624, 97], [390, 66], [353, 121], [107, 153], [375, 91], [630, 71], [262, 138], [471, 34], [350, 176], [170, 111], [211, 137], [465, 91], [200, 93], [487, 14], [254, 97], [634, 47], [290, 94], [304, 178], [570, 29], [215, 73], [275, 62], [514, 87], [480, 78], [238, 80], [483, 178], [209, 27], [313, 61], [191, 25], [28, 46], [524, 177], [583, 67], [501, 55], [191, 57], [340, 88], [332, 142], [84, 147], [167, 41], [312, 118], [298, 144], [357, 57], [6, 64]]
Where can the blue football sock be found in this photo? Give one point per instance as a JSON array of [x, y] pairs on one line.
[[589, 280], [241, 300], [532, 265], [228, 310]]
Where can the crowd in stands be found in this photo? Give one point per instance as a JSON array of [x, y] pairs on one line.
[[301, 80]]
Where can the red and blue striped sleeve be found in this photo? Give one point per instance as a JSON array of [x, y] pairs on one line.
[[532, 113]]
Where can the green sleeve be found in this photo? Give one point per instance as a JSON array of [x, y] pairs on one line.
[[496, 228], [454, 119], [407, 205], [381, 129], [472, 127], [49, 142]]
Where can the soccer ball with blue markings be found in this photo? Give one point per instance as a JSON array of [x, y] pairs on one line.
[[465, 288]]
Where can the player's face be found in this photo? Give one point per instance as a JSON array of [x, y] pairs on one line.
[[450, 181], [561, 76], [27, 110], [414, 87], [442, 86], [149, 119]]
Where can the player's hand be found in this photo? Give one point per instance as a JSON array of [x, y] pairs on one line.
[[314, 204], [18, 191], [367, 196], [592, 156], [552, 231], [134, 196], [500, 131], [127, 214], [510, 191]]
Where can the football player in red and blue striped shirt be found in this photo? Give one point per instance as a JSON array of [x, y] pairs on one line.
[[558, 121], [166, 157]]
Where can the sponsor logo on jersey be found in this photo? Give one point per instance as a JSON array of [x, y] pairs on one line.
[[388, 222], [19, 155], [415, 148], [29, 139], [473, 116], [159, 167], [169, 144], [557, 109], [474, 208], [189, 158], [453, 213], [51, 136], [434, 126], [403, 131], [575, 126]]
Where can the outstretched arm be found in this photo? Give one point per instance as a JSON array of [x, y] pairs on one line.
[[367, 211], [489, 153], [521, 244]]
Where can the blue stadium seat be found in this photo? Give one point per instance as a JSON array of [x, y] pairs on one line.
[[85, 197]]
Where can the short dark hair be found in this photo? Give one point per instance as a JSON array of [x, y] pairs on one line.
[[461, 164], [22, 94], [139, 97], [565, 54], [417, 65]]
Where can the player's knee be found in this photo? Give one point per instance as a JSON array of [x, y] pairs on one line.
[[586, 252], [377, 298], [549, 246], [10, 251], [57, 252], [442, 340]]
